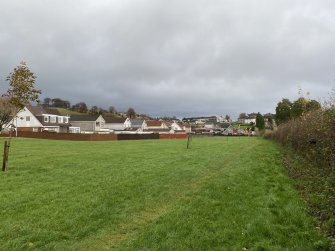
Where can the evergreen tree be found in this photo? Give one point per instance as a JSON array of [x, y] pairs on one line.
[[260, 123]]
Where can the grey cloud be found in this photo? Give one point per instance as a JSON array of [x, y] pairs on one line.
[[173, 57]]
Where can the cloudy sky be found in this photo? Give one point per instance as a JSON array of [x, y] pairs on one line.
[[172, 57]]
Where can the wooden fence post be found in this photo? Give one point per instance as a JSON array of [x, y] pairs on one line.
[[189, 138], [5, 155]]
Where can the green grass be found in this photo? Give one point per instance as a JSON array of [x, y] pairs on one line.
[[222, 194], [64, 111], [316, 185]]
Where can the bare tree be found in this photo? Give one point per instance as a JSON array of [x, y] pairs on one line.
[[131, 113], [6, 111], [112, 109]]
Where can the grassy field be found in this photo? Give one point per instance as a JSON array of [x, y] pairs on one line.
[[222, 194]]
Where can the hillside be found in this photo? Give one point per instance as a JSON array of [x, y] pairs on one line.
[[64, 112]]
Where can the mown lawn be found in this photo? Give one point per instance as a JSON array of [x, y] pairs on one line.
[[222, 194]]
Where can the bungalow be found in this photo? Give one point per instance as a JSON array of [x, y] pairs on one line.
[[157, 126], [186, 127], [116, 124], [38, 119], [177, 127], [88, 123]]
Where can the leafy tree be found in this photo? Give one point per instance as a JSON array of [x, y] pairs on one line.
[[94, 110], [58, 102], [313, 105], [46, 102], [20, 93], [260, 123], [283, 111], [302, 106], [299, 107], [131, 113], [21, 86], [227, 117], [80, 107]]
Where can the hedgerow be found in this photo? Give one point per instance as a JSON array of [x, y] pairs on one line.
[[311, 139]]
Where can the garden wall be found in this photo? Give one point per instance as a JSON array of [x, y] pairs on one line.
[[67, 136], [173, 136], [83, 137], [137, 136]]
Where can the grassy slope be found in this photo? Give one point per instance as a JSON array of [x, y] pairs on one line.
[[65, 112], [221, 194]]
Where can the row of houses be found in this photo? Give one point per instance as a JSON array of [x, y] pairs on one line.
[[39, 119]]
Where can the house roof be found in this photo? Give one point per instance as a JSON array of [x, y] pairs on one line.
[[84, 117], [153, 122], [112, 120], [136, 122], [168, 123], [36, 110], [39, 110]]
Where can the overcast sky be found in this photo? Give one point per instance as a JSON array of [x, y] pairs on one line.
[[172, 57]]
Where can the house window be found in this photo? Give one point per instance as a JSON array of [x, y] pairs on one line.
[[53, 119], [60, 119], [97, 123], [66, 120], [46, 119], [35, 129], [27, 118]]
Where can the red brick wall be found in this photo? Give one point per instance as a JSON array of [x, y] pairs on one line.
[[67, 136], [173, 136], [137, 136], [94, 137]]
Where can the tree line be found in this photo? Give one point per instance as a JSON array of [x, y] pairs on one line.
[[82, 107], [287, 110]]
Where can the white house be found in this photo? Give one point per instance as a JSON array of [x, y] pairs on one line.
[[38, 119], [175, 126], [88, 123], [117, 124], [156, 126]]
